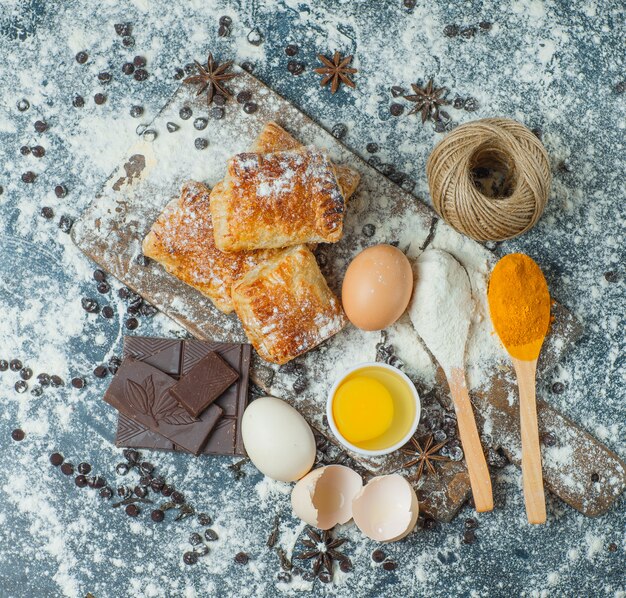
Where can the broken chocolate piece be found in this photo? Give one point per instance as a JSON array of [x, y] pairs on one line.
[[204, 383]]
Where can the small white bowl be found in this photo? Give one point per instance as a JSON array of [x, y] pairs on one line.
[[349, 445]]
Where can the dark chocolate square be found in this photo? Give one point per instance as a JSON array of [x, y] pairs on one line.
[[204, 383]]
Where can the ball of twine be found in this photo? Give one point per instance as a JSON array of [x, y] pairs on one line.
[[511, 149]]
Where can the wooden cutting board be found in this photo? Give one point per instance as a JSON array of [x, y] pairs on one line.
[[151, 173]]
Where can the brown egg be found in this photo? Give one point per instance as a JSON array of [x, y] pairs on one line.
[[377, 287]]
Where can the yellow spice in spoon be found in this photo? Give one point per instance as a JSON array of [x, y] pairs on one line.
[[519, 303]]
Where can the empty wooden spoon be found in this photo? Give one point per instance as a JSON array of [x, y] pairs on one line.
[[519, 303], [441, 310]]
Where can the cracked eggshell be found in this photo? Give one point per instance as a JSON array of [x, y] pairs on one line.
[[386, 509], [323, 498], [277, 439]]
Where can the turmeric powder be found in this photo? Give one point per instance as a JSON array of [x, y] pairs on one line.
[[519, 303]]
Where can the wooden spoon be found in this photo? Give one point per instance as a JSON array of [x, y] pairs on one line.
[[524, 359], [441, 310]]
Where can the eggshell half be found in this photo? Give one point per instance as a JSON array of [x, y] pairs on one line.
[[277, 439], [386, 509], [323, 498]]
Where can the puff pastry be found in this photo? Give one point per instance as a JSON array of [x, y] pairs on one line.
[[277, 200], [285, 305], [274, 138], [182, 241]]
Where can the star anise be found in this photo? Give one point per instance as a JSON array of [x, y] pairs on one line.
[[336, 71], [322, 550], [424, 456], [211, 78], [427, 100]]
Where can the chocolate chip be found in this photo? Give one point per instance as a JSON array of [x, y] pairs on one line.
[[612, 547], [106, 493], [136, 111], [131, 323], [470, 105], [255, 37], [56, 459], [537, 132], [250, 107], [204, 519], [611, 276], [210, 535], [139, 61], [38, 151], [595, 477], [485, 25], [618, 88], [18, 435], [179, 73], [89, 305], [200, 143], [56, 381], [371, 148], [82, 57], [190, 558], [4, 365], [15, 365], [114, 363], [36, 391], [78, 102], [167, 490], [128, 41], [47, 212], [200, 123], [40, 126], [140, 75], [21, 386], [178, 498], [24, 150], [548, 439], [397, 91], [103, 288], [157, 484], [99, 99], [369, 230], [84, 468], [217, 112], [172, 127], [223, 31], [339, 131], [65, 224], [122, 468], [132, 510], [78, 383], [140, 491], [291, 50], [396, 109], [67, 469], [128, 68], [80, 481], [43, 379], [558, 388], [185, 113], [29, 177], [123, 29], [300, 384], [241, 558], [107, 312], [26, 373], [469, 536], [100, 371], [147, 310], [458, 103], [226, 21], [378, 556], [248, 67], [468, 32], [346, 565], [295, 67], [390, 566], [60, 191], [104, 77], [471, 523], [157, 515], [195, 539]]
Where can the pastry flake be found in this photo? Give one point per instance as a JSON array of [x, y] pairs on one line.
[[277, 200], [286, 307], [182, 241]]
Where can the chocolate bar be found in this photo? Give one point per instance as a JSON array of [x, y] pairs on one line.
[[143, 393], [178, 357], [203, 383]]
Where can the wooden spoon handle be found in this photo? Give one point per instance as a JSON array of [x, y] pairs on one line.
[[474, 456], [532, 477]]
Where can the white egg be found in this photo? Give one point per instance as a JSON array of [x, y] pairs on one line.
[[323, 498], [386, 509], [277, 439]]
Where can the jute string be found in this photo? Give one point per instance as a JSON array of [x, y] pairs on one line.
[[511, 148]]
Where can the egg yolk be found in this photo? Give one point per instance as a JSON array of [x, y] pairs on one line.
[[362, 409]]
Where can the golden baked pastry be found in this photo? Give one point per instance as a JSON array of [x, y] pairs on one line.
[[285, 305], [277, 200], [181, 240], [274, 138]]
